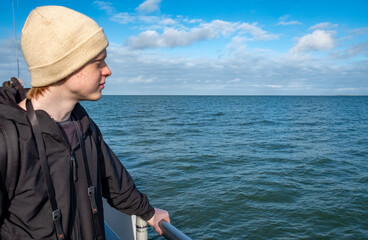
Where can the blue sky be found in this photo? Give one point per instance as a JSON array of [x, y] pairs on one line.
[[223, 47]]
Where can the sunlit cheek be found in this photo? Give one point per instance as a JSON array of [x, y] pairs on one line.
[[80, 76]]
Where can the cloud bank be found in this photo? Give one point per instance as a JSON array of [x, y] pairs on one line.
[[171, 37], [237, 73]]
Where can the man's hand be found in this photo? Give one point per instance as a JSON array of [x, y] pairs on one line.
[[159, 215]]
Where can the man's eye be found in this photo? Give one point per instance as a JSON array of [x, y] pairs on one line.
[[99, 64]]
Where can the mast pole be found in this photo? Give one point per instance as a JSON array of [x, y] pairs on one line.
[[15, 39]]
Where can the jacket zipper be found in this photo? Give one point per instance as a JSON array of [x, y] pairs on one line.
[[73, 178], [74, 167]]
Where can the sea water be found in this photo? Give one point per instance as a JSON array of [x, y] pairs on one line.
[[246, 167]]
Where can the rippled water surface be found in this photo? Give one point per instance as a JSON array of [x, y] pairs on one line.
[[246, 167]]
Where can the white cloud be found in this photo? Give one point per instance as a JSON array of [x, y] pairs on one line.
[[324, 25], [228, 28], [141, 79], [149, 19], [105, 6], [154, 22], [283, 21], [237, 43], [192, 21], [161, 31], [223, 27], [273, 86], [180, 35], [318, 40], [123, 18], [126, 17], [256, 32], [169, 38], [347, 89], [173, 37], [235, 80], [120, 17], [147, 39], [167, 21], [149, 6], [157, 20], [360, 31], [360, 49], [288, 23]]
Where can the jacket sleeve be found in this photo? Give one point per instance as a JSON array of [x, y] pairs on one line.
[[118, 186]]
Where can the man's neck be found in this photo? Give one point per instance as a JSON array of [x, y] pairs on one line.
[[56, 105]]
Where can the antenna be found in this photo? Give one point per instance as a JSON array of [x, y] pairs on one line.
[[15, 38]]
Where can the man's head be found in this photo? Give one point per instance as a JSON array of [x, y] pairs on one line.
[[57, 41]]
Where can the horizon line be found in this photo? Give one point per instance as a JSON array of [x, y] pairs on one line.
[[240, 95]]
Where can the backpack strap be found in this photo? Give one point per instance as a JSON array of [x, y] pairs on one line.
[[91, 189], [9, 155], [93, 128], [56, 213], [95, 133]]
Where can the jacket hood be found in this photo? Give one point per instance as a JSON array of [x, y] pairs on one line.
[[9, 109]]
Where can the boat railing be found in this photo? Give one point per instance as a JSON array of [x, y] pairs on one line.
[[172, 233], [124, 227], [169, 231]]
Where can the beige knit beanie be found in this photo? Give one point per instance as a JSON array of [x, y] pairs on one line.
[[56, 41]]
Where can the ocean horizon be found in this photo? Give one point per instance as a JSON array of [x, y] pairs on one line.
[[235, 95]]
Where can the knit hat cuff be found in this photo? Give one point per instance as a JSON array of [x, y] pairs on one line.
[[70, 62]]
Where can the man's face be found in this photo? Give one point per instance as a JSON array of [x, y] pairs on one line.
[[88, 82]]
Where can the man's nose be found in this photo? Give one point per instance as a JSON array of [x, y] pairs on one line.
[[106, 71]]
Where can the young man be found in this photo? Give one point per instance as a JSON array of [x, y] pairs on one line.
[[54, 188]]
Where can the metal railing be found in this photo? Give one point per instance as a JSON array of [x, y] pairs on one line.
[[169, 231], [141, 231], [172, 233]]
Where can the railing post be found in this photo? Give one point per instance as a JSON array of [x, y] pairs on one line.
[[141, 229]]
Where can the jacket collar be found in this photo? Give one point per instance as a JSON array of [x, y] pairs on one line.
[[10, 110], [48, 125]]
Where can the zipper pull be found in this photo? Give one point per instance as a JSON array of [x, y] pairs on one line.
[[74, 165]]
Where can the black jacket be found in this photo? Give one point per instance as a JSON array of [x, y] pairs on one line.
[[25, 211]]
